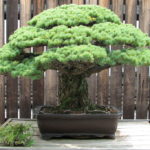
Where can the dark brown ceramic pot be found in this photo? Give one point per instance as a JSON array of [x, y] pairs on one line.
[[77, 125]]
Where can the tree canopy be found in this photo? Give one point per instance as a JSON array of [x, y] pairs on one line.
[[77, 38]]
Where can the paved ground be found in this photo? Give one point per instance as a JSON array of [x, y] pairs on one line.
[[130, 135]]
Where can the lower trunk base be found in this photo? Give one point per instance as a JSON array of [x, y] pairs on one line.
[[73, 92]]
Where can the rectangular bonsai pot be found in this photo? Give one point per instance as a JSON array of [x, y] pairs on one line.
[[77, 125]]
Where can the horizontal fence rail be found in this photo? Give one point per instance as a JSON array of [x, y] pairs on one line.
[[125, 87]]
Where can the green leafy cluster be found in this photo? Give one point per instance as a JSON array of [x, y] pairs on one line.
[[73, 15], [103, 34], [77, 38], [27, 37], [123, 34], [16, 134], [136, 57]]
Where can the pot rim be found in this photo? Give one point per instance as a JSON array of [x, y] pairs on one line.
[[80, 116], [73, 115]]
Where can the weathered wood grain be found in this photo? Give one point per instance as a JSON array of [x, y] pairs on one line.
[[142, 73], [103, 76], [25, 98], [12, 83], [93, 2], [129, 71], [25, 83], [2, 100], [2, 86], [38, 6], [51, 3], [62, 2], [38, 85], [104, 3], [51, 88], [79, 2], [103, 87], [25, 12], [1, 23], [92, 88], [116, 72]]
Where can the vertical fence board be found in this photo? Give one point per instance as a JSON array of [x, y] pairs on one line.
[[129, 71], [51, 78], [1, 23], [93, 2], [79, 2], [104, 3], [2, 103], [38, 85], [25, 83], [92, 87], [12, 83], [62, 2], [51, 3], [103, 76], [25, 11], [142, 74], [116, 72], [92, 80], [51, 88]]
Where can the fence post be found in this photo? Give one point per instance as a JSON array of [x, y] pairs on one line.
[[2, 98], [103, 76], [12, 83], [142, 73], [51, 77], [25, 83], [116, 72], [129, 71]]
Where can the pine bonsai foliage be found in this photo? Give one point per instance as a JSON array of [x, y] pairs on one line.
[[77, 38]]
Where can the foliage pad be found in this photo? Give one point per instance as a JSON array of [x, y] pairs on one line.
[[77, 37]]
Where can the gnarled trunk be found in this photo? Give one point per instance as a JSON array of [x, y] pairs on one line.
[[73, 92]]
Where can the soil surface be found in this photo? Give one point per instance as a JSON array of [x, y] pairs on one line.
[[92, 110]]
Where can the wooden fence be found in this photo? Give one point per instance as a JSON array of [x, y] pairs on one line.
[[126, 87]]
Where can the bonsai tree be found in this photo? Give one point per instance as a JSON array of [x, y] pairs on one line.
[[77, 39]]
